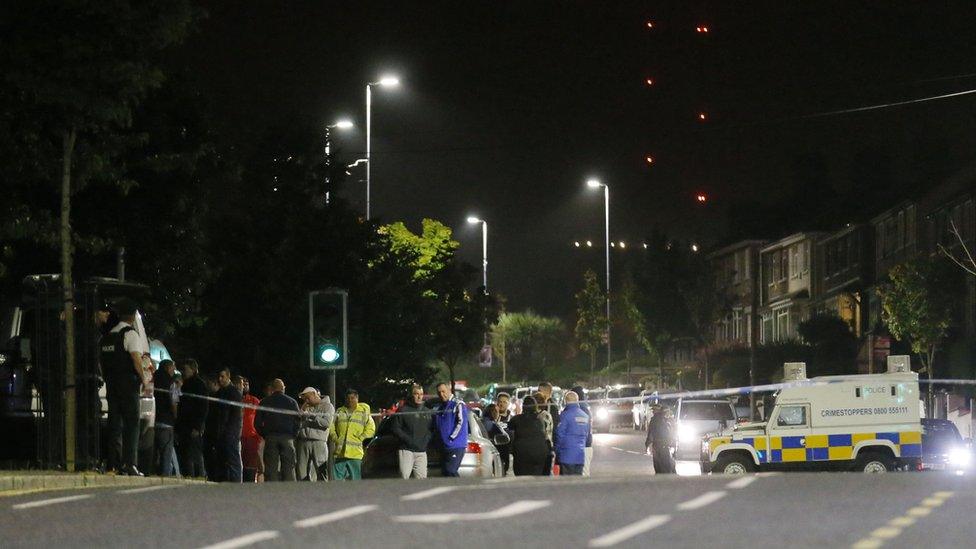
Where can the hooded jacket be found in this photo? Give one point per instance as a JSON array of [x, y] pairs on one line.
[[316, 425], [452, 424], [349, 430], [413, 426]]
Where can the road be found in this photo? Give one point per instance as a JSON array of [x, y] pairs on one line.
[[630, 509]]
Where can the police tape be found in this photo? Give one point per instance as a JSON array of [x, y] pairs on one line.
[[649, 398]]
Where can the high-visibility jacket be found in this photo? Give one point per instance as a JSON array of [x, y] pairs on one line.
[[349, 430]]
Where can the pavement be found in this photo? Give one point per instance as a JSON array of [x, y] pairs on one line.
[[21, 482], [628, 509]]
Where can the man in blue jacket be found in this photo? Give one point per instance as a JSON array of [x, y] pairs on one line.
[[571, 433], [452, 426]]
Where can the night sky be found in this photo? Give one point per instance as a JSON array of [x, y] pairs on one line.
[[506, 108]]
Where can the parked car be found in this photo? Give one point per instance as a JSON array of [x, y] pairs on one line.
[[696, 418], [943, 448], [641, 409], [480, 460], [596, 400]]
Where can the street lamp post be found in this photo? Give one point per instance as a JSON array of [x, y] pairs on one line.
[[386, 82], [595, 183], [342, 124], [484, 250]]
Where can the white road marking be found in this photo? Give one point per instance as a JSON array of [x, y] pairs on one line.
[[334, 516], [741, 483], [868, 543], [52, 501], [507, 511], [498, 480], [243, 541], [429, 493], [701, 501], [615, 448], [627, 532], [149, 489], [918, 511], [633, 452]]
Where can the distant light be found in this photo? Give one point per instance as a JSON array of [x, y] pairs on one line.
[[589, 243], [701, 197], [649, 24], [275, 189], [694, 247], [343, 124], [613, 244], [473, 219], [622, 244], [645, 245], [649, 159], [389, 81], [577, 244], [702, 29], [593, 183], [702, 116], [649, 81]]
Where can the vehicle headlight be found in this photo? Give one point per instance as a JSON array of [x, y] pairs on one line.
[[686, 433], [960, 457], [602, 413]]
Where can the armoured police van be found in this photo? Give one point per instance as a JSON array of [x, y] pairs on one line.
[[867, 422]]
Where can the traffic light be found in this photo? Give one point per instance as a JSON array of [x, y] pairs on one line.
[[327, 330]]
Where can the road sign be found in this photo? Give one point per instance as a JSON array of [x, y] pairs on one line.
[[327, 330]]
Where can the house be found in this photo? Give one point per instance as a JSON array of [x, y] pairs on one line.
[[786, 285], [736, 271], [844, 267]]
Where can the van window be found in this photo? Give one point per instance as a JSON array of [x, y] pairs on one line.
[[792, 416], [707, 410]]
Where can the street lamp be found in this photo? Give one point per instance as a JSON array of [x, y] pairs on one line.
[[593, 184], [386, 82], [342, 124], [484, 249]]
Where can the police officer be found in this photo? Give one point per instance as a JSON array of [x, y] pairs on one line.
[[121, 360], [659, 439]]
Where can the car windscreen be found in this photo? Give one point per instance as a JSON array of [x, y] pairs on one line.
[[939, 434], [707, 410]]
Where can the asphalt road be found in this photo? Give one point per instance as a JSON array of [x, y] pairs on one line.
[[631, 509]]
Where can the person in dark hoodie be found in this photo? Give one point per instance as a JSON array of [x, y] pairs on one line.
[[413, 426], [191, 416], [279, 431], [229, 423], [589, 438], [530, 449]]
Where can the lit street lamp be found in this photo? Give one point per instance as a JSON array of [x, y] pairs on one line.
[[386, 82], [595, 183], [484, 249], [342, 124]]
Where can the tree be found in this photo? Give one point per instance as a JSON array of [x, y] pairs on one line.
[[74, 97], [591, 321], [629, 322], [834, 347], [917, 306], [964, 260], [529, 341]]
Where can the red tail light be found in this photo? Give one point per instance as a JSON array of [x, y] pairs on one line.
[[474, 448]]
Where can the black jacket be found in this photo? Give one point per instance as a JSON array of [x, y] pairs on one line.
[[659, 431], [528, 437], [230, 418], [164, 399], [413, 426], [192, 411], [271, 423]]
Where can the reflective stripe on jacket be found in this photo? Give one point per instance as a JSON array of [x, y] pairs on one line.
[[350, 429]]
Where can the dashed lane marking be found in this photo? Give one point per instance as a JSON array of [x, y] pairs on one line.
[[618, 449], [633, 452], [244, 541], [896, 526], [741, 483], [148, 489], [644, 525], [510, 510], [701, 501], [429, 493], [334, 516], [52, 501]]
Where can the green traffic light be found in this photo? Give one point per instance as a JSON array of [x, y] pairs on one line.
[[329, 354]]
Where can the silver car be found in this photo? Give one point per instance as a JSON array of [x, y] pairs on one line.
[[697, 418]]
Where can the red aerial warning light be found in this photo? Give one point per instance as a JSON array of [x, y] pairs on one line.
[[649, 159], [649, 81], [702, 117], [702, 29], [701, 198], [649, 24]]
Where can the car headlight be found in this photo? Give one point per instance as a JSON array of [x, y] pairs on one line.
[[960, 457], [602, 413], [686, 433]]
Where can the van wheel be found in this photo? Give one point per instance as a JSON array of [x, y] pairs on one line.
[[873, 462], [734, 465]]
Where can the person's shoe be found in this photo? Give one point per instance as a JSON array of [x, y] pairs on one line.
[[131, 471]]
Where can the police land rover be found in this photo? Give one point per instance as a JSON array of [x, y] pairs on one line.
[[867, 422]]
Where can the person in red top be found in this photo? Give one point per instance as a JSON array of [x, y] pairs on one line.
[[252, 445]]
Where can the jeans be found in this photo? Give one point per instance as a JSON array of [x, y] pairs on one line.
[[166, 452], [413, 462], [191, 455], [123, 424], [279, 458], [451, 461], [570, 469], [229, 450]]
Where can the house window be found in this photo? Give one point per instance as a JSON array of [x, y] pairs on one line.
[[795, 266], [782, 324], [783, 265]]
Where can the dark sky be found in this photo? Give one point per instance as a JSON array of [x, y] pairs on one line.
[[506, 108]]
